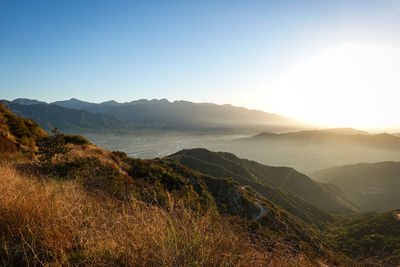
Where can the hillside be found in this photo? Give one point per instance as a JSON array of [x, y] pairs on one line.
[[375, 186], [50, 116], [88, 206], [17, 134], [291, 190], [370, 235], [47, 222]]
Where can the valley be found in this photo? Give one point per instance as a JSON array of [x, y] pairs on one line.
[[288, 144], [303, 156]]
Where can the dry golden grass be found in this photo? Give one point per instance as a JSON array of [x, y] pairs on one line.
[[44, 222]]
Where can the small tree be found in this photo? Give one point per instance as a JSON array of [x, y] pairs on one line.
[[50, 147]]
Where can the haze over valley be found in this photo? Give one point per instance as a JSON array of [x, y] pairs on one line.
[[157, 128]]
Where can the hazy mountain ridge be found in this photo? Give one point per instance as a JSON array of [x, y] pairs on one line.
[[183, 115], [345, 131], [311, 150], [381, 140], [50, 116], [375, 186]]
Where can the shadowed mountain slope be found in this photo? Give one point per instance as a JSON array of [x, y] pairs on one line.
[[290, 189], [375, 186], [50, 116], [370, 235]]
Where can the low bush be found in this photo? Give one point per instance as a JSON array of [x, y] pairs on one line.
[[75, 139]]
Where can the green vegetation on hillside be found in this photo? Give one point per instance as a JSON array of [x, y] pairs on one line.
[[293, 191], [369, 235], [374, 186]]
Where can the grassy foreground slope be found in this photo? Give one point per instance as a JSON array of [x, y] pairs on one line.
[[46, 222]]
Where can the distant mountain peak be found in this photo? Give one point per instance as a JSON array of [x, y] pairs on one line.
[[76, 100], [110, 102], [164, 100], [345, 131], [26, 101]]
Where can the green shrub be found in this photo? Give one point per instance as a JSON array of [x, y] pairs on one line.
[[75, 139], [50, 147], [94, 175], [122, 155]]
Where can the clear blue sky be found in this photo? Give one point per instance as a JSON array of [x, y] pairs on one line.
[[214, 51]]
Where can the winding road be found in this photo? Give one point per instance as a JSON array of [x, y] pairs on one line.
[[262, 211]]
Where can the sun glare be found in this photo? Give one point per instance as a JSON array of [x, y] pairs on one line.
[[355, 85]]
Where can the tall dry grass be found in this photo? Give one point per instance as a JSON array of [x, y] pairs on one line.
[[44, 222]]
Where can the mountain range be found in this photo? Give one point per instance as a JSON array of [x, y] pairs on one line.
[[153, 114], [50, 116]]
